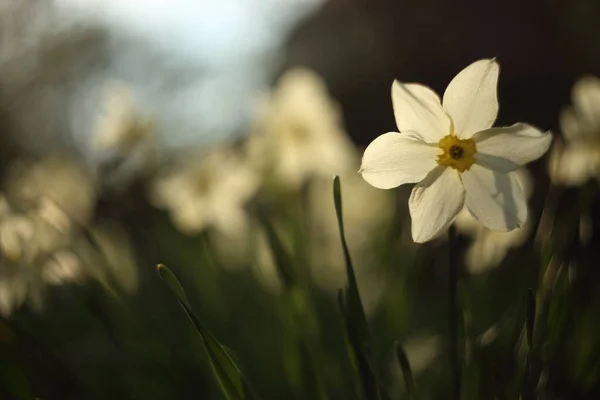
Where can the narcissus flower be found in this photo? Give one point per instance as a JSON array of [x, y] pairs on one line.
[[452, 151], [298, 134], [207, 190], [578, 159]]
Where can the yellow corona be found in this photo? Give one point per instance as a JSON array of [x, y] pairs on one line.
[[458, 153]]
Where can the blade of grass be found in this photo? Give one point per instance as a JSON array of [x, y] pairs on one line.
[[530, 317], [354, 305], [294, 289], [283, 261], [369, 384], [529, 374], [312, 384], [231, 381], [453, 311], [354, 315], [406, 371]]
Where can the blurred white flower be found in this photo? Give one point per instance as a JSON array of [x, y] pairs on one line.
[[298, 134], [121, 128], [63, 266], [56, 186], [210, 190], [16, 235], [49, 211], [578, 159], [46, 203], [26, 236], [489, 247], [454, 154], [32, 250], [421, 350]]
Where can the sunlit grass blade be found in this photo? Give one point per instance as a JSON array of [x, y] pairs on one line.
[[370, 387], [283, 261], [354, 305], [173, 283], [353, 312], [229, 377], [295, 304], [406, 371]]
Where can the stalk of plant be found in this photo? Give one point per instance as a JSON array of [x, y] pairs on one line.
[[453, 314]]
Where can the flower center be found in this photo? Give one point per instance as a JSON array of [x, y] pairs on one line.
[[458, 153]]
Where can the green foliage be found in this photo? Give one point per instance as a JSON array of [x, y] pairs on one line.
[[406, 371], [300, 341], [350, 304], [231, 381]]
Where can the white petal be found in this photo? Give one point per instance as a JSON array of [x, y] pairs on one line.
[[397, 158], [418, 108], [495, 198], [435, 202], [526, 181], [470, 98], [506, 149]]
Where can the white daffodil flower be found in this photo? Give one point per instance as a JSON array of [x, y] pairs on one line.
[[209, 190], [28, 240], [578, 160], [452, 151], [57, 188], [121, 127], [298, 134]]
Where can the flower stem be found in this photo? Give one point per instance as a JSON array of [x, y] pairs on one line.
[[453, 314]]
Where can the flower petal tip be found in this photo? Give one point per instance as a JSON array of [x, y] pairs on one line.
[[419, 241]]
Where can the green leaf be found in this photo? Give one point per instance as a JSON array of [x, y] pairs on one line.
[[354, 315], [311, 382], [370, 386], [283, 261], [406, 371], [171, 280], [14, 382], [229, 377], [354, 306], [530, 317]]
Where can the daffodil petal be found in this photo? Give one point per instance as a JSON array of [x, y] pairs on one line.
[[470, 99], [435, 202], [495, 199], [506, 149], [395, 158], [418, 108]]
